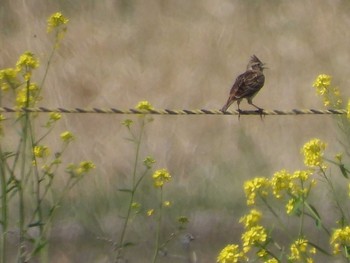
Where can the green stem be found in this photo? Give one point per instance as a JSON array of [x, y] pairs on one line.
[[135, 184], [159, 225], [286, 230], [301, 226], [4, 210], [333, 193]]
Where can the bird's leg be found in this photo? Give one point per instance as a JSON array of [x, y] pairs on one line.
[[260, 110], [239, 110]]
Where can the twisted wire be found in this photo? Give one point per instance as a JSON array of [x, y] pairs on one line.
[[172, 111]]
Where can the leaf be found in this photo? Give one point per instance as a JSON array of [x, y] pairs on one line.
[[316, 215], [125, 190], [41, 244], [344, 171], [36, 224], [126, 244]]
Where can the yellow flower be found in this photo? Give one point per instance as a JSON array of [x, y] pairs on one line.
[[182, 220], [8, 79], [81, 169], [27, 98], [297, 248], [301, 176], [41, 151], [251, 219], [149, 161], [55, 116], [231, 254], [330, 94], [299, 251], [254, 236], [67, 136], [322, 81], [135, 205], [290, 205], [150, 212], [144, 105], [281, 181], [160, 177], [127, 123], [348, 110], [56, 20], [26, 63], [166, 203], [271, 260], [340, 239], [85, 167], [313, 153], [256, 186]]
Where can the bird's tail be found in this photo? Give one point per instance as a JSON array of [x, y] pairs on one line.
[[228, 104], [223, 109]]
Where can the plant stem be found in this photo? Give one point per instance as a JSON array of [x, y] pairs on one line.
[[4, 210], [159, 225], [135, 184]]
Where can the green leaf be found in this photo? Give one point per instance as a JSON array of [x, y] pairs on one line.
[[36, 224], [316, 215], [344, 171], [39, 245], [125, 244], [125, 190]]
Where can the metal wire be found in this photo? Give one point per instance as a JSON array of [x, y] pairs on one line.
[[172, 111]]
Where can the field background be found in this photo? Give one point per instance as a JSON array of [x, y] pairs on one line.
[[185, 55]]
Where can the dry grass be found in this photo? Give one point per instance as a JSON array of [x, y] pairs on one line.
[[186, 54]]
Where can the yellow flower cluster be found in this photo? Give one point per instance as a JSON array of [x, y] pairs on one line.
[[67, 136], [330, 94], [144, 105], [254, 236], [148, 162], [81, 169], [27, 96], [231, 254], [55, 21], [85, 167], [340, 239], [256, 186], [160, 177], [8, 79], [26, 63], [41, 151], [300, 251], [281, 181], [251, 219], [313, 153]]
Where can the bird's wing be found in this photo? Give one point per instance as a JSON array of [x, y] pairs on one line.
[[248, 84]]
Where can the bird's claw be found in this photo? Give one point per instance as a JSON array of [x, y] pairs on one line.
[[261, 112], [239, 113]]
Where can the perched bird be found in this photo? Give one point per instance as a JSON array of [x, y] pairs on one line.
[[247, 85]]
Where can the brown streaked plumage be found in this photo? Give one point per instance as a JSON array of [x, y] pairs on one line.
[[247, 85]]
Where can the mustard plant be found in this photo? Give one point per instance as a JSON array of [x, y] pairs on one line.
[[28, 172], [297, 192], [136, 179]]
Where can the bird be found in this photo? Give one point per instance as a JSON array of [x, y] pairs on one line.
[[247, 85]]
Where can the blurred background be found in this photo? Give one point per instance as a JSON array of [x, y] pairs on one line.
[[178, 54]]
